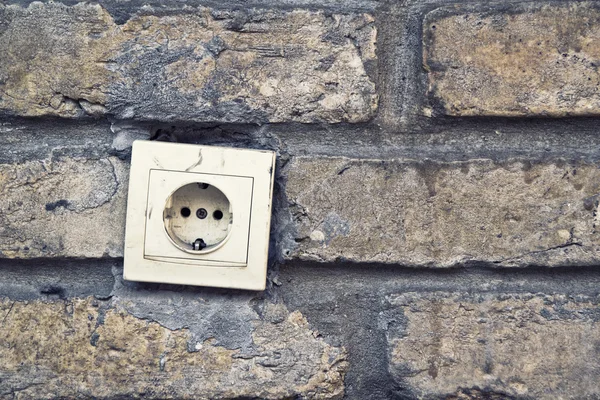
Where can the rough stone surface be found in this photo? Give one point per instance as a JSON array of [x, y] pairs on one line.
[[393, 232], [197, 64], [63, 207], [423, 214], [516, 60], [514, 213], [472, 346], [87, 348]]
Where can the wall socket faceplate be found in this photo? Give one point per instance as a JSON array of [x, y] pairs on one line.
[[198, 215]]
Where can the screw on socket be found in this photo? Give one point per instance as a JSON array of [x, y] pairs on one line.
[[199, 244], [201, 213]]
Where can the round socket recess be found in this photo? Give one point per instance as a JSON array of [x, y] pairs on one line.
[[198, 218]]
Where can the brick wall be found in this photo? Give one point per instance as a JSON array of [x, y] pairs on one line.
[[435, 225]]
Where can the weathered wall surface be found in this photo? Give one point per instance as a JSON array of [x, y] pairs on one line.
[[199, 64], [435, 233]]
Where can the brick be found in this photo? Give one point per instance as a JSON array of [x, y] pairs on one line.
[[427, 214], [85, 348], [421, 214], [63, 207], [533, 59], [494, 346], [196, 64]]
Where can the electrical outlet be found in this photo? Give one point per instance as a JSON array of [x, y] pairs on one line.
[[198, 215]]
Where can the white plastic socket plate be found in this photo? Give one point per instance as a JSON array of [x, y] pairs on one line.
[[198, 215]]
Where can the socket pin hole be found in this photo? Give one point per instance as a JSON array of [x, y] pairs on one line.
[[185, 212], [198, 244], [218, 214], [203, 185], [201, 213]]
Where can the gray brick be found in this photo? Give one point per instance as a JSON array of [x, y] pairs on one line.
[[422, 214], [196, 64], [428, 214], [63, 207]]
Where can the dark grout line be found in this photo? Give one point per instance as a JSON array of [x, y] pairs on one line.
[[61, 277], [390, 279], [496, 140]]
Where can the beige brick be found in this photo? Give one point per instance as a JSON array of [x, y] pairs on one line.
[[431, 214], [535, 59], [197, 64], [83, 348], [466, 346]]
